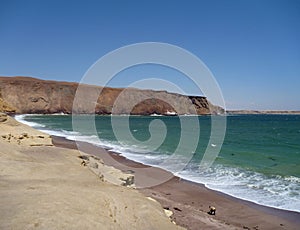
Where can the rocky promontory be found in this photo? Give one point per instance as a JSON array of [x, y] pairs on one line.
[[28, 95]]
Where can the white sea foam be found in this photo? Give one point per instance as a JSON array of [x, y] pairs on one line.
[[273, 191], [60, 114], [20, 118], [136, 153], [156, 115]]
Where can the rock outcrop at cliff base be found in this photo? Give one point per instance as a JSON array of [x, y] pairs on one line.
[[25, 95], [5, 107]]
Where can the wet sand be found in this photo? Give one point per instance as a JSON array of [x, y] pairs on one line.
[[189, 201]]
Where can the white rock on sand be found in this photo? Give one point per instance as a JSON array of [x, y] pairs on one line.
[[107, 173], [46, 187]]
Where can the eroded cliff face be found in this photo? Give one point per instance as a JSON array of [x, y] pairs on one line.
[[5, 107], [30, 95]]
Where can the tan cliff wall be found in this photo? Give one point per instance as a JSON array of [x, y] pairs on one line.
[[5, 107], [30, 95]]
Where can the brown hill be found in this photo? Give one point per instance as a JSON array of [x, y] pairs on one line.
[[30, 95]]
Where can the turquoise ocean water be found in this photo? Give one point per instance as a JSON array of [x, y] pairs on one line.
[[259, 160]]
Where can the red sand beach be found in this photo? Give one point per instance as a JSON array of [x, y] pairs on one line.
[[189, 201]]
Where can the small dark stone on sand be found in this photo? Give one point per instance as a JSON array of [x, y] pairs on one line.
[[84, 157], [177, 209]]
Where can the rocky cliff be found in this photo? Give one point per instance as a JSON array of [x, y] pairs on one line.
[[30, 95]]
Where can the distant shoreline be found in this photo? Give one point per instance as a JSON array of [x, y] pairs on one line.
[[271, 112]]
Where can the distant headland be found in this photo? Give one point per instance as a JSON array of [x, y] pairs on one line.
[[26, 95]]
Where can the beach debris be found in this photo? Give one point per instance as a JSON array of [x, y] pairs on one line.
[[25, 135], [212, 210], [150, 198], [23, 139], [168, 213], [85, 160], [84, 157], [107, 173], [177, 209], [101, 177], [128, 180], [22, 135]]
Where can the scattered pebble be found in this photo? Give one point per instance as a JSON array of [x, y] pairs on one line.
[[177, 209]]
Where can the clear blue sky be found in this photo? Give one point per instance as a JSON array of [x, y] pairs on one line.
[[252, 47]]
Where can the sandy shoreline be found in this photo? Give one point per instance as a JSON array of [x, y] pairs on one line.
[[48, 187], [189, 201]]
